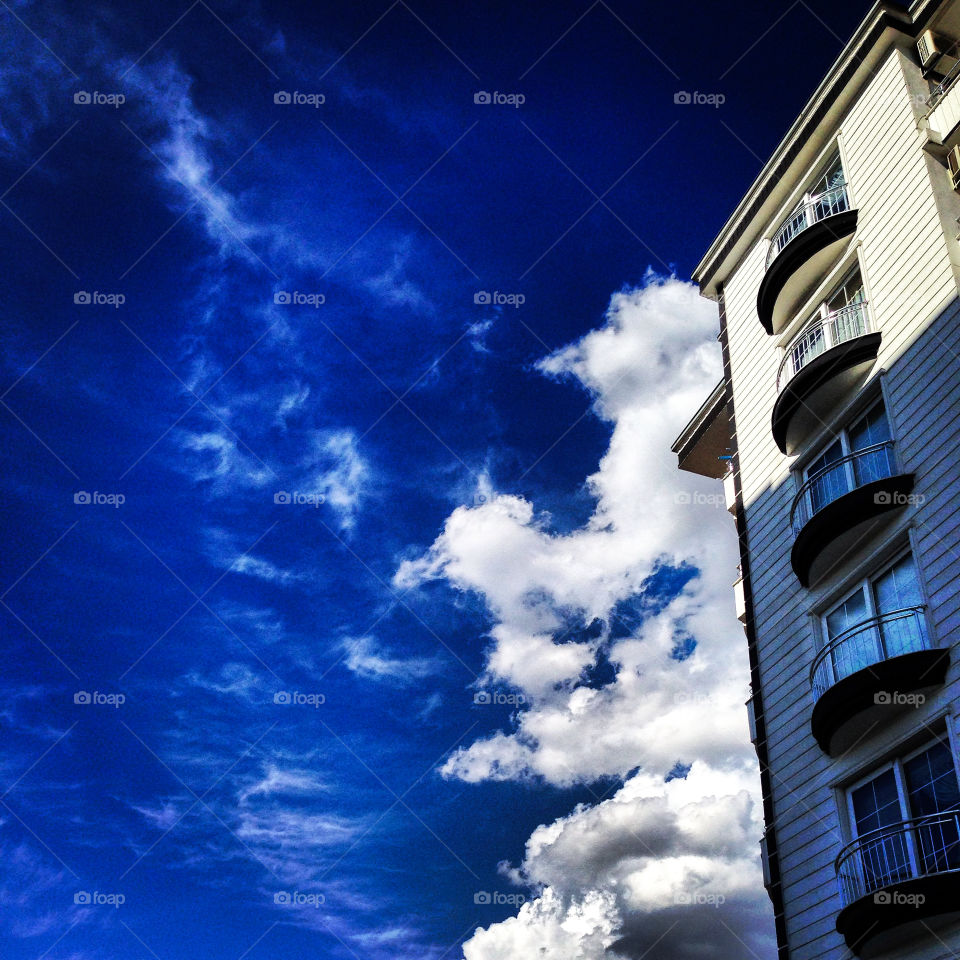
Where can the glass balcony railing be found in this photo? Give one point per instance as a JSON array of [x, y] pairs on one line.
[[823, 205], [941, 89], [866, 644], [923, 847], [850, 321], [876, 462]]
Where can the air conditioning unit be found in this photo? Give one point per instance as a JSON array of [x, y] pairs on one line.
[[936, 53], [953, 165]]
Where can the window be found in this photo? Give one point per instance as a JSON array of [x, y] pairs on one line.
[[906, 817], [880, 619], [829, 181], [842, 316], [861, 454]]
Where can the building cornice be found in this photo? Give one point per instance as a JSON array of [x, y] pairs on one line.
[[884, 16]]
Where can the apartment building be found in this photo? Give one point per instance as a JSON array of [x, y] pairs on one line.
[[835, 432]]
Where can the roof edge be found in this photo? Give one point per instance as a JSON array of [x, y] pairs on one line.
[[883, 15], [709, 410]]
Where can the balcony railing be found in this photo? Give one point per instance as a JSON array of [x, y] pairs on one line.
[[941, 89], [823, 205], [868, 643], [922, 847], [877, 462], [844, 324]]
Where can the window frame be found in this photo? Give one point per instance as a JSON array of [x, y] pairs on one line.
[[843, 435], [896, 763], [865, 585]]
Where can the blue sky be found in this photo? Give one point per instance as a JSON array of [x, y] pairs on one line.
[[431, 689]]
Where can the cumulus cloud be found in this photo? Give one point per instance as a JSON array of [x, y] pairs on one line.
[[649, 574]]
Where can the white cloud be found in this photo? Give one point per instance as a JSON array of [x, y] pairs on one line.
[[334, 469], [221, 461], [648, 368], [477, 333], [236, 679], [368, 659], [549, 929], [277, 781]]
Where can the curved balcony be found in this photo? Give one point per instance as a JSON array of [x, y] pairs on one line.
[[898, 874], [869, 671], [800, 253], [833, 510], [823, 364]]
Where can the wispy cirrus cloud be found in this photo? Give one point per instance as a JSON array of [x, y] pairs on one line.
[[369, 659]]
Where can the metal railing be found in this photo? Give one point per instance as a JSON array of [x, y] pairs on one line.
[[823, 205], [867, 643], [844, 324], [876, 462], [941, 89], [922, 847]]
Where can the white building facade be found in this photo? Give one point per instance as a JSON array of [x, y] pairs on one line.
[[836, 432]]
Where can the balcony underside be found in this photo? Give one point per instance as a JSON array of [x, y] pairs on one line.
[[800, 266], [843, 525], [809, 398], [848, 709], [866, 924]]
